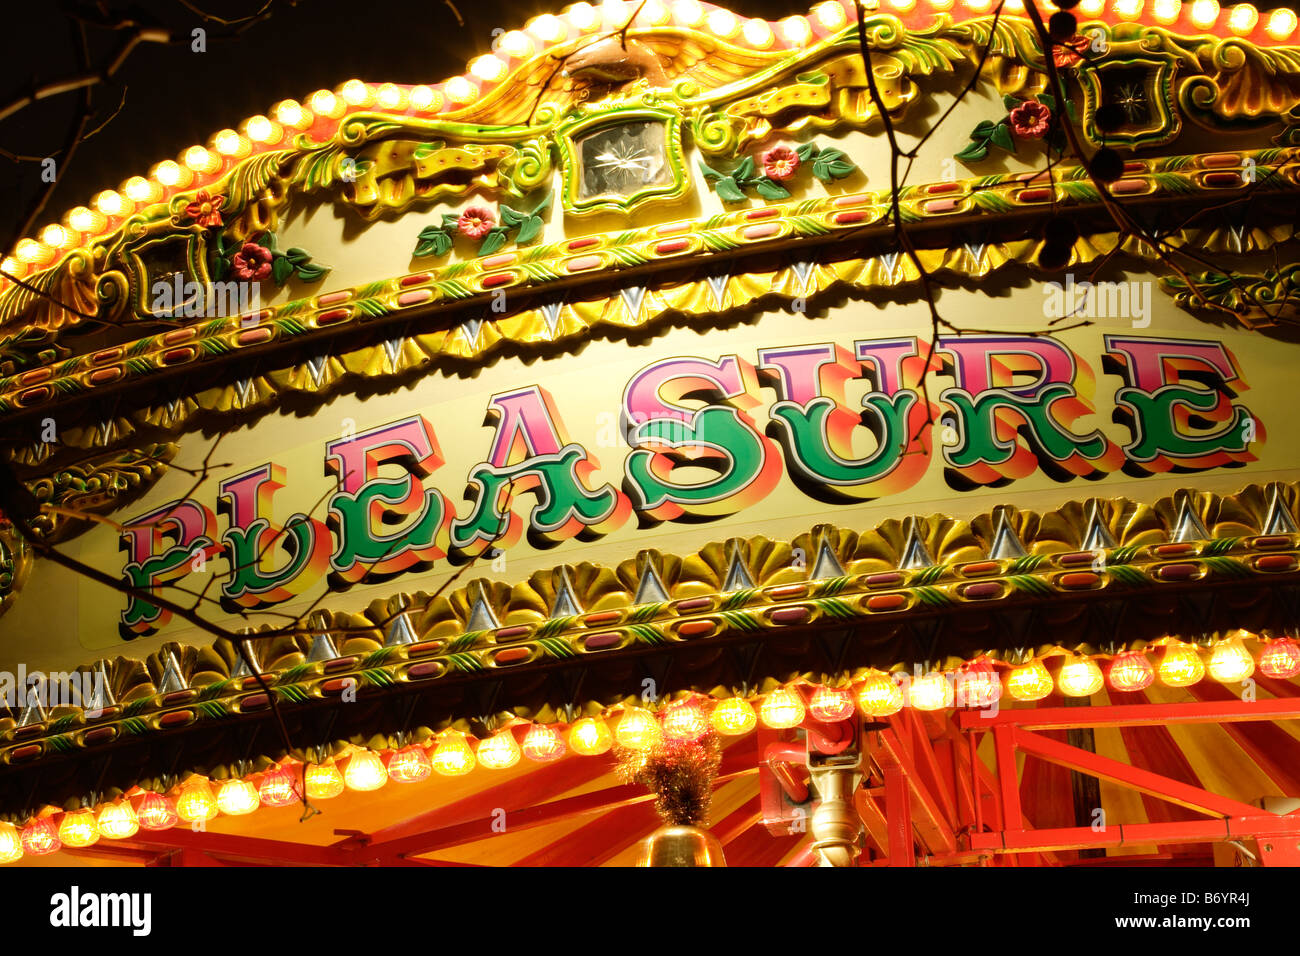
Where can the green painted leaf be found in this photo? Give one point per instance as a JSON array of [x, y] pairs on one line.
[[1011, 102], [973, 153], [744, 169], [510, 217], [296, 255], [709, 172], [770, 189], [529, 230], [728, 190], [806, 151], [494, 240], [982, 128], [310, 272], [1001, 137], [281, 269]]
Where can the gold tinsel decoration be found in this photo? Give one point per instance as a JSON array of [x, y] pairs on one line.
[[680, 774]]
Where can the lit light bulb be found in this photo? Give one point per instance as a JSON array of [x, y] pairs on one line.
[[516, 43], [590, 737], [31, 251], [139, 189], [722, 23], [461, 90], [733, 717], [40, 837], [323, 780], [1092, 8], [410, 765], [157, 811], [931, 691], [1281, 23], [452, 757], [110, 203], [796, 31], [1080, 677], [324, 103], [78, 828], [201, 160], [1230, 662], [425, 98], [830, 14], [1204, 13], [1029, 681], [548, 28], [542, 743], [56, 236], [637, 730], [237, 797], [499, 751], [117, 821], [831, 704], [196, 802], [1243, 18], [355, 93], [1166, 11], [291, 114], [1129, 9], [1131, 671], [489, 67], [260, 129], [685, 721], [978, 685], [390, 96], [279, 787], [11, 843], [584, 16], [228, 143], [1181, 665], [365, 771], [757, 34], [688, 12], [1280, 658], [781, 709], [879, 695], [171, 173]]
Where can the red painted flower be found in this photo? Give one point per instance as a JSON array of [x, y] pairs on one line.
[[476, 222], [204, 209], [780, 162], [1030, 119], [251, 262], [1069, 52]]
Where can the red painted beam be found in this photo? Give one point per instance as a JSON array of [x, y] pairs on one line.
[[1135, 778], [927, 813], [1132, 715], [1129, 834], [1272, 748], [229, 846]]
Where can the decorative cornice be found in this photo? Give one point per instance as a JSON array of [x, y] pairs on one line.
[[1004, 562], [974, 203]]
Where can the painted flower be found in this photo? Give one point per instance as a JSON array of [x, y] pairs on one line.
[[1030, 119], [1070, 52], [251, 262], [780, 163], [204, 209], [476, 222]]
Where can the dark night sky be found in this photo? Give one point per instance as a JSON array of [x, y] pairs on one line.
[[175, 98]]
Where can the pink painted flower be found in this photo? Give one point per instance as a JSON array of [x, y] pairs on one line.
[[476, 222], [204, 209], [780, 163], [1030, 119], [251, 262], [1070, 52]]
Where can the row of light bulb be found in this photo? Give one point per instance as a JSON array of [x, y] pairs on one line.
[[450, 753]]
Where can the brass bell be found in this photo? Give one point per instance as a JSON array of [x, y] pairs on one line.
[[681, 846]]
